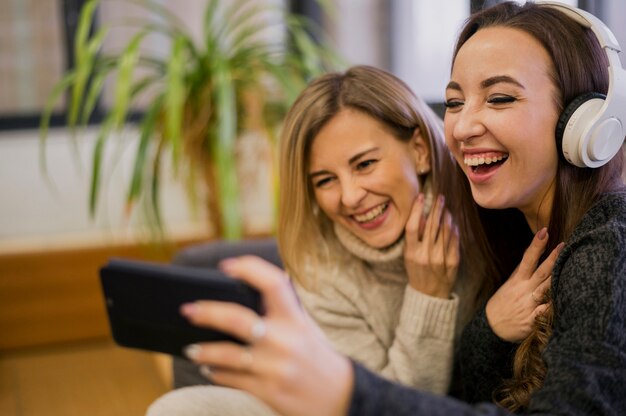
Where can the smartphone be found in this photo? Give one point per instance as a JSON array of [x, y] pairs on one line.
[[143, 302]]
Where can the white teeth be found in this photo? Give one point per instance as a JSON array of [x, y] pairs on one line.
[[371, 214], [476, 161]]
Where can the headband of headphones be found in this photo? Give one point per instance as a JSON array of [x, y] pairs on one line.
[[593, 128]]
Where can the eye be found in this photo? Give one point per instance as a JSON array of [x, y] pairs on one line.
[[365, 164], [501, 99], [453, 104], [322, 182]]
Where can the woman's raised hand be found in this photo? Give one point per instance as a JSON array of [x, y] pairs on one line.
[[287, 362], [512, 310], [431, 254]]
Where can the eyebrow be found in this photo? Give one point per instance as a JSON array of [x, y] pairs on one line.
[[350, 161], [500, 79], [452, 85]]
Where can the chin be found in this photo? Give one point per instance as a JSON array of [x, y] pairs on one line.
[[385, 241], [489, 203], [486, 201]]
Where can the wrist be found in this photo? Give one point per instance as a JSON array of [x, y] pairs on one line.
[[435, 292], [489, 316], [344, 387]]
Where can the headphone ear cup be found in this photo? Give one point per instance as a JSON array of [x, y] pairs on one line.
[[571, 124]]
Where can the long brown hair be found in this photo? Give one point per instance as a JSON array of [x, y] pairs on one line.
[[579, 66]]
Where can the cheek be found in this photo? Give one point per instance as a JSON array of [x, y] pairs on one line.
[[326, 202], [408, 188], [448, 128], [541, 146]]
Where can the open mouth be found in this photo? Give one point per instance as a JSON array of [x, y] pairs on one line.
[[485, 163], [372, 214]]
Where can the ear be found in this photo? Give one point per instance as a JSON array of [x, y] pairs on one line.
[[421, 152]]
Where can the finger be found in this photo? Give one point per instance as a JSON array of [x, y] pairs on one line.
[[533, 253], [540, 291], [228, 317], [540, 310], [438, 250], [453, 250], [270, 280], [234, 379], [225, 356], [545, 268], [434, 220], [412, 227], [445, 231], [215, 354]]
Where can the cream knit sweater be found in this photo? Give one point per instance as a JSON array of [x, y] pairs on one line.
[[366, 308], [369, 312]]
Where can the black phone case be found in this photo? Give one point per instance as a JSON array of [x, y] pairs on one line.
[[143, 303]]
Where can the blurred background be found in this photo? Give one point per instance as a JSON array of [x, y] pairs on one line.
[[56, 356]]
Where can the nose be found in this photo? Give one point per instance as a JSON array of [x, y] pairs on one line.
[[352, 193], [466, 124]]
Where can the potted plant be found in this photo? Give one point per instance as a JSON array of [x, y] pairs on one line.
[[202, 94]]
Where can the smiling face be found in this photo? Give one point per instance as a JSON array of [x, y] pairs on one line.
[[500, 121], [364, 178]]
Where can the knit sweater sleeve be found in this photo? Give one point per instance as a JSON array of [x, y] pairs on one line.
[[483, 360], [375, 396], [420, 353]]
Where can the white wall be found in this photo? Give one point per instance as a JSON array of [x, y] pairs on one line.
[[34, 207], [359, 30], [424, 34], [32, 210], [615, 12]]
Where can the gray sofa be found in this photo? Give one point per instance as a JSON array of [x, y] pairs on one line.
[[185, 373]]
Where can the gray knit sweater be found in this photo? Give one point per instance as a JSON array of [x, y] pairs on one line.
[[586, 355]]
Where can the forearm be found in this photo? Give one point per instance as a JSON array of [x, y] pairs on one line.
[[375, 396], [483, 359]]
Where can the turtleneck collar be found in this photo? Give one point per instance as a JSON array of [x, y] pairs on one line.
[[389, 258]]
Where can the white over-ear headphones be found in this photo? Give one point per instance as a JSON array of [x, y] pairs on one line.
[[593, 126]]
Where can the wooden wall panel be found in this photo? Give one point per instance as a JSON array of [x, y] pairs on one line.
[[54, 296]]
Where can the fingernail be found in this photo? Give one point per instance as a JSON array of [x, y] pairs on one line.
[[420, 197], [560, 247], [206, 372], [192, 351], [542, 233], [188, 309], [226, 264], [442, 199]]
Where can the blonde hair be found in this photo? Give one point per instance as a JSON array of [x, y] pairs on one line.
[[305, 234]]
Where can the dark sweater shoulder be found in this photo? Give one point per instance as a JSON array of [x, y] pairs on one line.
[[589, 278], [608, 213], [585, 356], [592, 265]]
